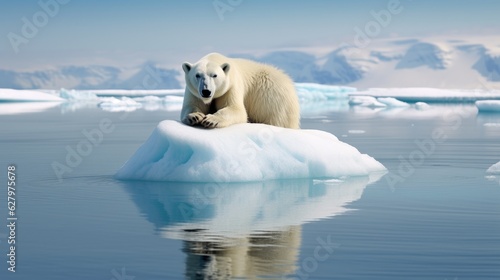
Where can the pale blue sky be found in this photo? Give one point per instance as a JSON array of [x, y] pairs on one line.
[[130, 31]]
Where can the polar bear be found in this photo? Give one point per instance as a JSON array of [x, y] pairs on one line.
[[222, 91]]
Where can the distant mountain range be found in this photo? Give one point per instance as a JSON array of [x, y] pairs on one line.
[[439, 63], [148, 76]]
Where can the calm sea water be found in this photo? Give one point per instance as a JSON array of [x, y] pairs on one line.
[[434, 215]]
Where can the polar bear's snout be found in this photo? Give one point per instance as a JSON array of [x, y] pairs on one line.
[[206, 93], [204, 89]]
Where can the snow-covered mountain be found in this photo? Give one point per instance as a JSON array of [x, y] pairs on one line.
[[147, 76], [468, 63], [433, 62]]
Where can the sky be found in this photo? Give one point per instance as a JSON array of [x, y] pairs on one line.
[[129, 32]]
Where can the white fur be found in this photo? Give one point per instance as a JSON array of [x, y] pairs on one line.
[[240, 90]]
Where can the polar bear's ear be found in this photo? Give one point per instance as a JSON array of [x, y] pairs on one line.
[[225, 67], [186, 66]]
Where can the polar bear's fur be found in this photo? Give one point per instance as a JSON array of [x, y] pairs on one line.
[[222, 91]]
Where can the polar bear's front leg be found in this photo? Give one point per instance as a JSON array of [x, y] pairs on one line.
[[193, 118], [225, 117], [193, 110]]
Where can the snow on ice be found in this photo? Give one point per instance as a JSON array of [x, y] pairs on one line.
[[243, 152]]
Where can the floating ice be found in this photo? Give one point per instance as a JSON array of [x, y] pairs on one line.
[[494, 169], [243, 152], [138, 92], [309, 92], [13, 95], [430, 94], [365, 101], [488, 105], [392, 102], [422, 106], [114, 104], [77, 95]]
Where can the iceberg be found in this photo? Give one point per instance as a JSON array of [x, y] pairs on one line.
[[392, 102], [243, 153], [422, 106], [77, 95], [309, 92], [124, 104], [488, 105], [366, 101], [494, 169]]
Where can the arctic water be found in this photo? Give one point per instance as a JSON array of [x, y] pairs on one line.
[[434, 215]]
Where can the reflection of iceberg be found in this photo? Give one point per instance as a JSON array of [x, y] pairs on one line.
[[242, 230], [14, 108]]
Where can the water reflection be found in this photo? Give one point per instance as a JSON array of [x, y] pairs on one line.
[[242, 230]]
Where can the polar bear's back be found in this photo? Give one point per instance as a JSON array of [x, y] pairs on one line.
[[269, 93]]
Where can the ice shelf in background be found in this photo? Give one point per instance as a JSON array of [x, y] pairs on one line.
[[243, 152], [430, 94], [17, 95], [309, 92]]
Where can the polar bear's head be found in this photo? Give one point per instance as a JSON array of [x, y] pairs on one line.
[[206, 80]]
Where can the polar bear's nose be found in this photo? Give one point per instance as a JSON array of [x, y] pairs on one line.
[[206, 93]]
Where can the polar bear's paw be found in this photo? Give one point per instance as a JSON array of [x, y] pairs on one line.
[[211, 121], [194, 118]]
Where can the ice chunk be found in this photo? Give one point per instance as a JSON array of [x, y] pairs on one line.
[[243, 152], [309, 92], [392, 102], [114, 104], [78, 95], [13, 95], [422, 106], [488, 105], [494, 169], [365, 101]]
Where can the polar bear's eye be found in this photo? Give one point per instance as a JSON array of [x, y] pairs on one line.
[[214, 76], [198, 76]]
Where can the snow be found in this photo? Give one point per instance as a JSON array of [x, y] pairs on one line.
[[488, 105], [243, 152], [494, 169], [14, 95]]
